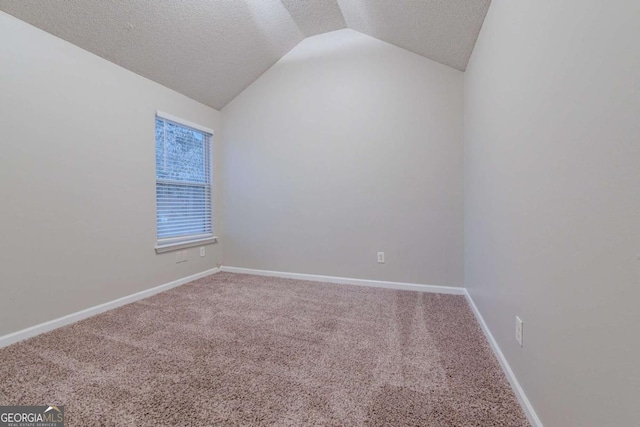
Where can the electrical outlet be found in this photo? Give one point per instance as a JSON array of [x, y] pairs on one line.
[[519, 330], [202, 251], [380, 257]]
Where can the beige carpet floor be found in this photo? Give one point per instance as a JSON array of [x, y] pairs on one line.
[[235, 349]]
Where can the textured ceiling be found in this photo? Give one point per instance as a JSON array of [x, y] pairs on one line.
[[315, 16], [442, 30], [211, 50]]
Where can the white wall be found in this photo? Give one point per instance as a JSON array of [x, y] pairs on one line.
[[77, 174], [552, 201], [346, 147]]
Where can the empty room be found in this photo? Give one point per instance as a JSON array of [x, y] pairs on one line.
[[320, 213]]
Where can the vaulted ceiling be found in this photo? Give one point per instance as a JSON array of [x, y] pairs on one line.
[[211, 50]]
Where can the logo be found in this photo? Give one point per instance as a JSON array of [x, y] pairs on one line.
[[32, 416]]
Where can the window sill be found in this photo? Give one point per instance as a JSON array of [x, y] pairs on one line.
[[176, 246]]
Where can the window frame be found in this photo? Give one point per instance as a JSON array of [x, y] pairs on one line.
[[175, 243]]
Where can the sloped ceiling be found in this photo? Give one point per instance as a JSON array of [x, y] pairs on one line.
[[211, 50]]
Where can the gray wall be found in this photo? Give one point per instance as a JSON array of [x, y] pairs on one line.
[[346, 147], [552, 201], [77, 208]]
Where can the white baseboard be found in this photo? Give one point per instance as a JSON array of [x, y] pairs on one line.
[[347, 281], [92, 311], [515, 385]]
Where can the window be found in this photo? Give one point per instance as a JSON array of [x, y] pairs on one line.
[[183, 183]]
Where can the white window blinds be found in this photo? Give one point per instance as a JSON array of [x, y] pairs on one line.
[[183, 181]]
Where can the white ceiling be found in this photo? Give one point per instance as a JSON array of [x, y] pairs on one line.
[[211, 50]]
